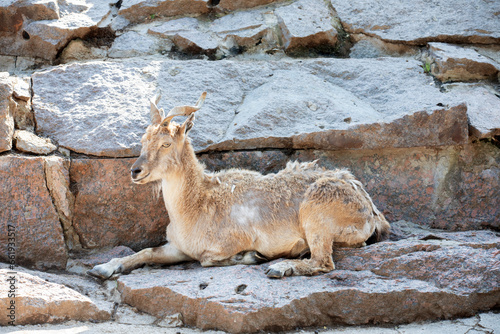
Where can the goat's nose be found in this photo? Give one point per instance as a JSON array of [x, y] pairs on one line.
[[135, 172]]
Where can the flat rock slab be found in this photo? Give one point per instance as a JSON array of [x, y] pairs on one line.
[[432, 276], [101, 108], [38, 301], [455, 63], [419, 22]]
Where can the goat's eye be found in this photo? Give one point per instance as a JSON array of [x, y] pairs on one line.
[[166, 145]]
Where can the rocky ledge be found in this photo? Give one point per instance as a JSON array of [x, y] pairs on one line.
[[426, 274]]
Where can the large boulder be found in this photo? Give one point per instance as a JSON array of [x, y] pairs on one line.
[[101, 108], [27, 210], [110, 210], [427, 276]]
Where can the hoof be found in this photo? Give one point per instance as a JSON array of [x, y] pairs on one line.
[[274, 273], [101, 272]]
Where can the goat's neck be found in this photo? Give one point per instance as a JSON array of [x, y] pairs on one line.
[[183, 186]]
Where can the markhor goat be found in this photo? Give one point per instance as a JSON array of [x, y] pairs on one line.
[[243, 217]]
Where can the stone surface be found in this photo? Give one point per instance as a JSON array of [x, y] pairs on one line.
[[24, 119], [58, 183], [80, 117], [419, 22], [78, 50], [133, 44], [307, 25], [371, 47], [482, 107], [110, 210], [6, 112], [245, 30], [30, 143], [388, 282], [230, 5], [26, 206], [38, 301], [455, 63], [41, 29], [140, 10], [7, 64]]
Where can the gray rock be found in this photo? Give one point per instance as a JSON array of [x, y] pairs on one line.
[[38, 301], [30, 143], [370, 284], [455, 63], [101, 108], [187, 35], [231, 5], [7, 63], [134, 44], [421, 21], [483, 105], [371, 47], [78, 50], [306, 25]]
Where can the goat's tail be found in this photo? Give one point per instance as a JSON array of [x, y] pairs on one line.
[[382, 226]]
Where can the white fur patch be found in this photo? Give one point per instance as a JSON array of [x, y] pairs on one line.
[[245, 214]]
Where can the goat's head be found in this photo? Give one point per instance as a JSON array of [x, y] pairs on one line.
[[163, 142]]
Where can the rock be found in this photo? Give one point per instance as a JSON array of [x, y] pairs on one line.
[[30, 143], [137, 11], [78, 50], [128, 214], [454, 63], [370, 47], [38, 301], [231, 5], [246, 30], [130, 315], [171, 321], [289, 122], [6, 113], [7, 64], [42, 29], [482, 108], [306, 25], [58, 183], [26, 208], [419, 22], [80, 117], [371, 284], [133, 44], [187, 36], [112, 128], [22, 88], [24, 118]]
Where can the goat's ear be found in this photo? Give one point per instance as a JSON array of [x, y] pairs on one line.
[[187, 125], [156, 114]]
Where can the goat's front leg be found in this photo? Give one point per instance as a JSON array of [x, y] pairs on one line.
[[166, 254]]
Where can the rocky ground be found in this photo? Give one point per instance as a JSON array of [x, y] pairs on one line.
[[405, 95]]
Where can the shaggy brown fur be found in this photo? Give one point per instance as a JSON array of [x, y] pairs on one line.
[[243, 217]]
